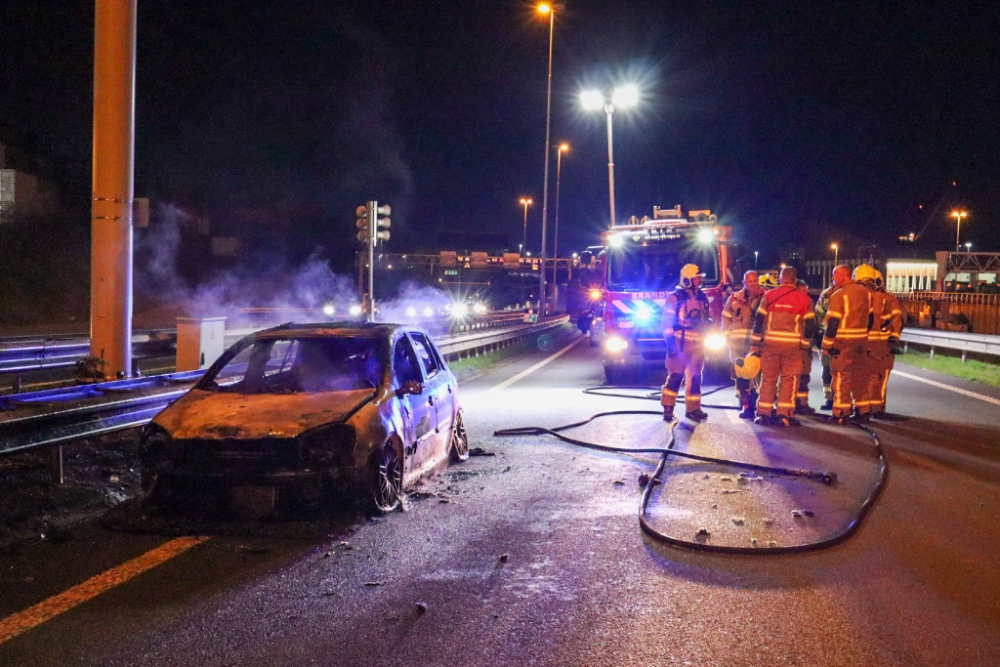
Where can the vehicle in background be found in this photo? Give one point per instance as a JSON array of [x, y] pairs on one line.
[[367, 408], [629, 276]]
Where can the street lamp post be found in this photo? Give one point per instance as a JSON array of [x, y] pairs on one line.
[[756, 255], [836, 253], [968, 246], [958, 215], [524, 238], [545, 8], [593, 100], [563, 148]]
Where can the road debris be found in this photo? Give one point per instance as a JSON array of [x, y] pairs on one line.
[[702, 532], [373, 584], [738, 520], [643, 479], [503, 558], [479, 451], [421, 607]]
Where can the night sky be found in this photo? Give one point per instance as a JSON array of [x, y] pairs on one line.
[[796, 122]]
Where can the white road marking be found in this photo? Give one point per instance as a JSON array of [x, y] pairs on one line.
[[528, 371], [942, 385]]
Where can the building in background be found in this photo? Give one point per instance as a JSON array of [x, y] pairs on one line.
[[24, 195]]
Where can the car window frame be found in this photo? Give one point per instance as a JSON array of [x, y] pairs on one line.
[[415, 357], [430, 350]]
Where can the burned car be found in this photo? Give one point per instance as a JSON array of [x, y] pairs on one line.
[[366, 408]]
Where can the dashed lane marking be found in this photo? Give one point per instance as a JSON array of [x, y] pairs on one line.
[[942, 385], [528, 371], [21, 622]]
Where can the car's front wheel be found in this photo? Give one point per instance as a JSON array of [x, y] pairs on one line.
[[387, 492], [459, 450]]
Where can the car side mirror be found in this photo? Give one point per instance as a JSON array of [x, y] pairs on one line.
[[410, 387], [586, 258]]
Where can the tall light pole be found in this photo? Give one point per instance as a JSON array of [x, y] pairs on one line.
[[524, 238], [756, 255], [546, 8], [563, 148], [958, 215], [593, 100], [836, 252]]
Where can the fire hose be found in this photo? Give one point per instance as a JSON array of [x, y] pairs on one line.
[[826, 477]]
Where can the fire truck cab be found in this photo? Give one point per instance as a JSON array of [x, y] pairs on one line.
[[629, 276]]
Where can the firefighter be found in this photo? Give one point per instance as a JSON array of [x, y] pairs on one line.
[[737, 320], [822, 306], [845, 341], [782, 329], [890, 331], [802, 395], [686, 319]]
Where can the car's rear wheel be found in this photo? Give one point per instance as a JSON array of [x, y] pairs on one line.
[[459, 450], [387, 492]]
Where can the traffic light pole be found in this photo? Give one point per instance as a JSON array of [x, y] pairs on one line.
[[372, 216], [373, 229]]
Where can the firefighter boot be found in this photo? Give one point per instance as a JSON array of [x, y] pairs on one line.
[[697, 415], [750, 405], [668, 413]]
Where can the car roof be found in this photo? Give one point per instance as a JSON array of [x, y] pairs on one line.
[[352, 329]]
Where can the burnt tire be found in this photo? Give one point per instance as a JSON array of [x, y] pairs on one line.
[[458, 450], [387, 487]]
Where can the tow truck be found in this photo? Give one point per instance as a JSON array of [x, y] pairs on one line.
[[631, 273]]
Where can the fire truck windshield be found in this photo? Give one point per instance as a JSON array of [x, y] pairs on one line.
[[656, 266]]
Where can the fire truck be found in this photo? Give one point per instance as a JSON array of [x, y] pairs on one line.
[[629, 276]]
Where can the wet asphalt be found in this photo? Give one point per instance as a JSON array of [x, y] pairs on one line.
[[534, 556]]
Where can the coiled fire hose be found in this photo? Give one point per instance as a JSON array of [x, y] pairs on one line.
[[826, 477]]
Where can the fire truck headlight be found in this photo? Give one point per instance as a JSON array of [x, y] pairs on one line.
[[595, 295], [706, 236], [615, 344], [642, 313], [715, 341], [617, 241]]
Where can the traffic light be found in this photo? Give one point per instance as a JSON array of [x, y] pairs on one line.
[[373, 228], [364, 224]]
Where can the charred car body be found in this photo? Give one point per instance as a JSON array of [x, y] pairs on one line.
[[366, 408]]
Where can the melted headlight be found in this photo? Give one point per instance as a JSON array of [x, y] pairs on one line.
[[328, 445]]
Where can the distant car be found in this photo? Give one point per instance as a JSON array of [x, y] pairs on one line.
[[369, 408]]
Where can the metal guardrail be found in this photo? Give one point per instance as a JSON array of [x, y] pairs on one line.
[[57, 416], [964, 342]]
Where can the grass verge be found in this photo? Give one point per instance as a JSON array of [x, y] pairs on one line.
[[978, 371]]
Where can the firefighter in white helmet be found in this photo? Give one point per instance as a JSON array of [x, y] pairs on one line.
[[686, 321], [737, 321]]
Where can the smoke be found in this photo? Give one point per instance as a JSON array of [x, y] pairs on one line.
[[419, 304]]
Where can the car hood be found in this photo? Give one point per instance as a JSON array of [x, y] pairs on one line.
[[217, 415]]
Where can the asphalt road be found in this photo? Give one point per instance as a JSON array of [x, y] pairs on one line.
[[534, 556]]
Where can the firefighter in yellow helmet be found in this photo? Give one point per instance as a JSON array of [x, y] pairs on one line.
[[767, 281], [686, 321], [883, 349], [845, 341], [737, 321]]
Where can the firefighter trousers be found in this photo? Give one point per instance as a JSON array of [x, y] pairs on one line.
[[802, 393], [780, 366], [880, 362], [824, 361], [684, 367], [850, 377]]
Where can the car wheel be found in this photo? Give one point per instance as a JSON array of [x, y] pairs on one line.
[[459, 450], [387, 493]]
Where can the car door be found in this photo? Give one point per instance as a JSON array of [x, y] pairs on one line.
[[440, 393], [417, 410]]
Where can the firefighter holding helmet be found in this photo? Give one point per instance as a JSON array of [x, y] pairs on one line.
[[737, 320], [845, 341], [686, 320]]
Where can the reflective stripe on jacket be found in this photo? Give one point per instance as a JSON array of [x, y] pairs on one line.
[[738, 313], [849, 316], [785, 317]]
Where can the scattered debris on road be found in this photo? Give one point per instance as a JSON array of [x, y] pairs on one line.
[[479, 451]]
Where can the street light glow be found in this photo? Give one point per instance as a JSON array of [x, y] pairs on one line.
[[544, 8], [592, 100], [625, 97], [834, 246], [563, 148]]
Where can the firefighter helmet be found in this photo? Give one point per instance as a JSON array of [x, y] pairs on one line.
[[864, 272], [688, 273], [746, 368], [767, 281], [879, 280]]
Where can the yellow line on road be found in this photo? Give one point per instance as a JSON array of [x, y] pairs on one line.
[[942, 385], [21, 622], [525, 373]]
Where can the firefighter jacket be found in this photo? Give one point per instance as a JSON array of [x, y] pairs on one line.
[[785, 317], [850, 315], [686, 318], [894, 329], [881, 318], [738, 314]]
